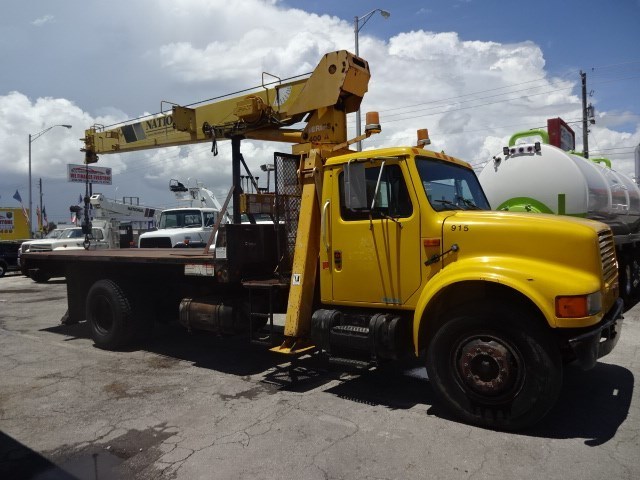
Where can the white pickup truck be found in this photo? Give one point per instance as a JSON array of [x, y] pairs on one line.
[[104, 234]]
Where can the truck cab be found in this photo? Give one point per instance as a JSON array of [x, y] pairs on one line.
[[405, 200], [181, 227], [423, 226], [411, 258]]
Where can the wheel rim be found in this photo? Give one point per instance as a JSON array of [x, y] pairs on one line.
[[102, 314], [488, 368]]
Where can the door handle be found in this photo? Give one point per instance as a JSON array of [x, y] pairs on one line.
[[323, 224]]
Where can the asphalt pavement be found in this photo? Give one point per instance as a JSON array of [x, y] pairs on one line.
[[200, 406]]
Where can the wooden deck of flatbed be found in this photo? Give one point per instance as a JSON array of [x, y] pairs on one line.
[[127, 255]]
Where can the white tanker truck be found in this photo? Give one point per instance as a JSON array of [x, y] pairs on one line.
[[541, 177]]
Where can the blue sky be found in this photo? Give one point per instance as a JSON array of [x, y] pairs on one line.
[[574, 34], [472, 71]]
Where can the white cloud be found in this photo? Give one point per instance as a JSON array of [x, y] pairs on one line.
[[38, 22], [471, 95]]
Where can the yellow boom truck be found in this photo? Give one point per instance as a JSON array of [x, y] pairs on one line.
[[373, 255]]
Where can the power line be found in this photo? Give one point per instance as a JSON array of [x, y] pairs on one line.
[[616, 64], [616, 148], [469, 94]]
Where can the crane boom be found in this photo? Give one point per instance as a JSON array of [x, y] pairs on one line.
[[335, 88]]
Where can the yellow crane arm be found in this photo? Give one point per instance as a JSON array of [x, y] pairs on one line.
[[335, 88]]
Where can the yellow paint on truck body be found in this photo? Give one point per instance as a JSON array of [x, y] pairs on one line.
[[380, 262]]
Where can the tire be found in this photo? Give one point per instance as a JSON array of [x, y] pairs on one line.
[[3, 269], [109, 315], [624, 278], [513, 370], [39, 276], [627, 276], [635, 278]]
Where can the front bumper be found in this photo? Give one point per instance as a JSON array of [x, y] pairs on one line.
[[599, 340]]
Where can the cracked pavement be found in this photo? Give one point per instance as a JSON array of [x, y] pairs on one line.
[[201, 406]]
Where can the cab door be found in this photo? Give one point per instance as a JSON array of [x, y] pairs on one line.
[[374, 253]]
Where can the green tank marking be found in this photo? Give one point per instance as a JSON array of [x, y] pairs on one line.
[[529, 133], [527, 204], [524, 204]]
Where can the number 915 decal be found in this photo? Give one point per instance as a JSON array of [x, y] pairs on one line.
[[459, 228]]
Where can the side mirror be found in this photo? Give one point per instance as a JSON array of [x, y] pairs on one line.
[[355, 186]]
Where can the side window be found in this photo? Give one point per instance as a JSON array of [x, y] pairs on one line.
[[392, 199], [192, 219], [209, 219]]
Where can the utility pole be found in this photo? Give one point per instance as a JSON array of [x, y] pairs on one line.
[[637, 157], [358, 23], [41, 217], [585, 127]]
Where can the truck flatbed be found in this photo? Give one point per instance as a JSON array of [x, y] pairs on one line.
[[250, 253], [129, 255]]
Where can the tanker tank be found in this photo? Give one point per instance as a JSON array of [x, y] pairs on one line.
[[542, 178], [550, 180]]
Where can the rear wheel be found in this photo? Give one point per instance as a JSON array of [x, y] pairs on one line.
[[109, 315], [39, 276], [495, 366]]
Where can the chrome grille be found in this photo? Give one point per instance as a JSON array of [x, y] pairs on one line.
[[608, 256], [40, 247]]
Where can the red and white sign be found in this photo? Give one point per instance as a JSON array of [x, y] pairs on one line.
[[561, 135], [79, 173]]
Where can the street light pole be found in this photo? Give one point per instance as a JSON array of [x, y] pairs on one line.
[[358, 23], [33, 138]]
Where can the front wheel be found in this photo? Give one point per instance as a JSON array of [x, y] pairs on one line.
[[39, 276], [495, 366], [109, 315]]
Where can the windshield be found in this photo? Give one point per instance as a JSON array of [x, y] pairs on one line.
[[72, 233], [96, 233], [449, 186], [54, 234], [180, 219]]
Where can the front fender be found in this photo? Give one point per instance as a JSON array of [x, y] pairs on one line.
[[540, 282]]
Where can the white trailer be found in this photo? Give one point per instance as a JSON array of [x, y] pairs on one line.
[[536, 177]]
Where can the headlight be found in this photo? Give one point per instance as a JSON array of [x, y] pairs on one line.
[[578, 306]]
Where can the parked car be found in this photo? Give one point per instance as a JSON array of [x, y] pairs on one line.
[[102, 236], [24, 247], [9, 251]]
